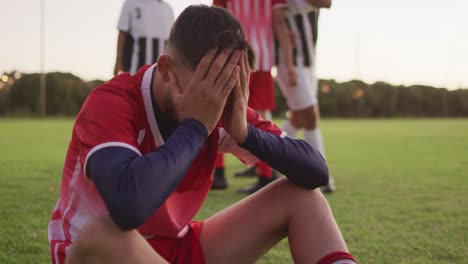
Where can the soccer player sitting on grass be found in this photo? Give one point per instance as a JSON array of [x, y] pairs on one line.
[[139, 163]]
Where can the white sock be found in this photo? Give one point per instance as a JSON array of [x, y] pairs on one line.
[[314, 137], [289, 129]]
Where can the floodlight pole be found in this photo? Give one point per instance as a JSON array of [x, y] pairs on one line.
[[42, 99]]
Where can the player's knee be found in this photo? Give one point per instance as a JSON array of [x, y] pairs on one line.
[[313, 200], [310, 118], [87, 247], [307, 198], [295, 120], [317, 198], [301, 196]]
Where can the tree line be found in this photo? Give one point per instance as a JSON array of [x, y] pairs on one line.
[[354, 99]]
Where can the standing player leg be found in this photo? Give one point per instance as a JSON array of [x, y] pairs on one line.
[[290, 129], [309, 120], [305, 114], [245, 231], [219, 177], [261, 99], [291, 126]]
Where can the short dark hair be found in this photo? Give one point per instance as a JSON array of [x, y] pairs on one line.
[[200, 28]]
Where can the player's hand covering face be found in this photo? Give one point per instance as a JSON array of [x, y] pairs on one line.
[[205, 95], [235, 111]]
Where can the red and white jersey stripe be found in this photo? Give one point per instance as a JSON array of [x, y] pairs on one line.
[[256, 18]]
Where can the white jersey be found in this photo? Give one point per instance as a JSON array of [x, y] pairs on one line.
[[302, 19], [148, 23]]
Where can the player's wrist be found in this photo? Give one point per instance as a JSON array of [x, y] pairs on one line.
[[195, 125], [241, 135], [249, 138]]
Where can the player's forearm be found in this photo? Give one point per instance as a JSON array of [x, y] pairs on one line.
[[320, 3], [283, 35], [133, 187], [297, 159], [120, 46]]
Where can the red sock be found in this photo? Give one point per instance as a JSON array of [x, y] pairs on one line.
[[219, 162], [264, 170], [337, 257]]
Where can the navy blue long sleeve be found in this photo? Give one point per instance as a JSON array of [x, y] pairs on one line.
[[133, 187], [297, 159]]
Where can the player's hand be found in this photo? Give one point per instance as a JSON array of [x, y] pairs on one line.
[[205, 96], [292, 76], [234, 115], [292, 39]]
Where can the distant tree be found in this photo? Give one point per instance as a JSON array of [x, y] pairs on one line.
[[3, 100], [458, 103], [94, 83], [65, 94], [382, 99]]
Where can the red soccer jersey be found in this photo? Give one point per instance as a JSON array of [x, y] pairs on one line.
[[120, 113], [256, 19]]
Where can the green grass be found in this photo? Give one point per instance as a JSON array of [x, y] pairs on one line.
[[402, 188]]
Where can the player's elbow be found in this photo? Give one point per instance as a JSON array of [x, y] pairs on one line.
[[316, 166], [127, 222], [322, 175], [318, 176], [312, 175], [129, 214]]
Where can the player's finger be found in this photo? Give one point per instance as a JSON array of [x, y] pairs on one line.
[[244, 75], [248, 70], [237, 90], [217, 65], [292, 75], [227, 70], [204, 65], [231, 83], [222, 61], [243, 68], [293, 81]]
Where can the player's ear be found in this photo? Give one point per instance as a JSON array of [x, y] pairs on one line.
[[164, 65]]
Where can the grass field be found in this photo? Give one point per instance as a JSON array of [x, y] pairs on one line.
[[402, 188]]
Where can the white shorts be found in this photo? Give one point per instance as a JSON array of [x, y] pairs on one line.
[[304, 94]]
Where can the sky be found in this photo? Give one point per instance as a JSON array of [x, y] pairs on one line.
[[399, 41]]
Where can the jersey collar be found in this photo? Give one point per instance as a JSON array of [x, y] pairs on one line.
[[146, 93]]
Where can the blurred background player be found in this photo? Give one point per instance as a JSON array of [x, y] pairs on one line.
[[302, 19], [144, 28], [260, 20]]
